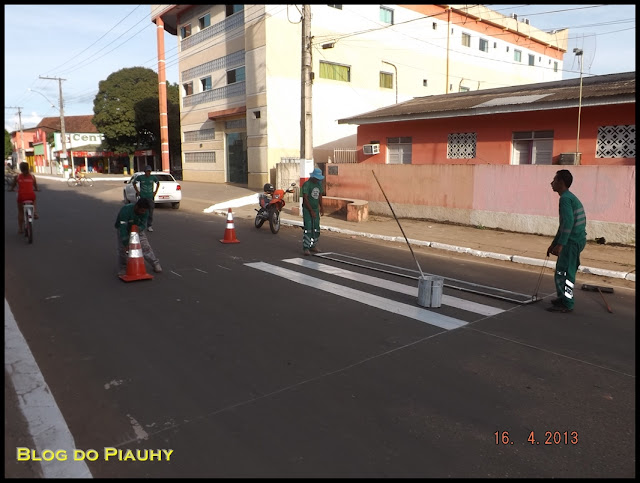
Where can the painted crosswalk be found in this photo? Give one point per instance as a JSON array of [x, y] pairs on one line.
[[388, 304]]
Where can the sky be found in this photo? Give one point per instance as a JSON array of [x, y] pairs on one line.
[[84, 44]]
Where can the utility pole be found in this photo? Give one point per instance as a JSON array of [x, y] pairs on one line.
[[21, 149], [63, 135], [306, 80], [579, 53]]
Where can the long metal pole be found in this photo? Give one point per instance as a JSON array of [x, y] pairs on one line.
[[579, 109], [397, 221]]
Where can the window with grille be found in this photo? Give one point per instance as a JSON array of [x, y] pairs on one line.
[[335, 72], [185, 31], [461, 145], [339, 7], [484, 45], [464, 89], [236, 124], [517, 55], [386, 80], [386, 15], [235, 75], [616, 141], [532, 59], [200, 135], [466, 40], [555, 67], [188, 88], [399, 150], [200, 157], [204, 22]]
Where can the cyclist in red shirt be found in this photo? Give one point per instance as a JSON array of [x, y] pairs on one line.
[[27, 186]]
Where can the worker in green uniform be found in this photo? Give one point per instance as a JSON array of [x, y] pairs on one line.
[[311, 210], [147, 182], [129, 215], [569, 241]]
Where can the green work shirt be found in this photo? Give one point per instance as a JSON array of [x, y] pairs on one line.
[[127, 217], [573, 220], [147, 185], [313, 190]]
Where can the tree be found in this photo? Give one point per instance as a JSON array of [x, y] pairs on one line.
[[126, 110], [8, 147]]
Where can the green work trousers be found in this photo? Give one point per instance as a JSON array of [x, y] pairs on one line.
[[311, 229], [566, 268]]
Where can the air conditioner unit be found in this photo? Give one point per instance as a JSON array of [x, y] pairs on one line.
[[514, 16], [526, 20], [370, 149], [570, 158]]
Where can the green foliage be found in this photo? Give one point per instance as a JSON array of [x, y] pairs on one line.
[[126, 110], [8, 148]]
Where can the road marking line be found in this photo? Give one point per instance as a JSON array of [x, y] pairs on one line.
[[396, 287], [399, 308], [46, 423]]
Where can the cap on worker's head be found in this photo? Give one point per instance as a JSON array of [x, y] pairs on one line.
[[147, 168], [317, 174]]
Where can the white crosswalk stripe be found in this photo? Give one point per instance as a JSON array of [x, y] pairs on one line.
[[414, 312], [396, 287]]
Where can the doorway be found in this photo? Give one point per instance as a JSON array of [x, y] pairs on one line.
[[237, 165]]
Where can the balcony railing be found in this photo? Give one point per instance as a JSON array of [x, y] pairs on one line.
[[225, 92], [232, 22]]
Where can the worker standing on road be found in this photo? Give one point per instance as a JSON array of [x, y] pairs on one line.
[[568, 243], [129, 215], [311, 211], [146, 191]]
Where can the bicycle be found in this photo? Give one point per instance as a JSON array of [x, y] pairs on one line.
[[27, 210], [80, 181]]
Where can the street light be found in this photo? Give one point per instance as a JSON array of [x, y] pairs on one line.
[[63, 134], [579, 53]]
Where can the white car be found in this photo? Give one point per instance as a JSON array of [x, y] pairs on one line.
[[170, 190]]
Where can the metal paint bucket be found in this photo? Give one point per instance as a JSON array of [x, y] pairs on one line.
[[430, 291]]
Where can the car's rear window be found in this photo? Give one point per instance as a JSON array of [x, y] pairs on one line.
[[164, 177]]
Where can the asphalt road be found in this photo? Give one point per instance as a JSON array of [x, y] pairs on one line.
[[246, 363]]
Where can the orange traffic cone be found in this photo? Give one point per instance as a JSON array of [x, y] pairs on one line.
[[230, 232], [135, 261]]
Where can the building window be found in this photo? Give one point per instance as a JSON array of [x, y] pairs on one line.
[[616, 141], [466, 40], [464, 89], [185, 31], [461, 145], [204, 22], [495, 45], [235, 75], [399, 150], [507, 48], [386, 15], [555, 67], [188, 88], [517, 55], [386, 80], [200, 157], [236, 124], [335, 72], [434, 26], [339, 7], [532, 59], [532, 147], [484, 45], [206, 83], [231, 9], [200, 135]]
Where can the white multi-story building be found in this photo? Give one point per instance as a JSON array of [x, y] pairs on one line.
[[240, 73]]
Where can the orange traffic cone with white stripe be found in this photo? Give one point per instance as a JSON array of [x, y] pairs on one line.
[[230, 232], [135, 260]]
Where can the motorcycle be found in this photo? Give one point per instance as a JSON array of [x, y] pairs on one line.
[[271, 204]]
